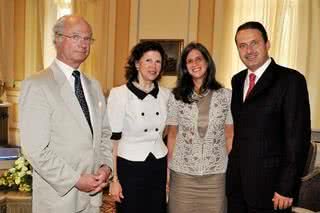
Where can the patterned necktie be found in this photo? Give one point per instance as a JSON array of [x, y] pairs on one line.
[[252, 78], [80, 96]]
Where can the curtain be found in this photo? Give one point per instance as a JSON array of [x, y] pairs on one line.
[[292, 26], [6, 40], [308, 59], [54, 9], [62, 3], [34, 36], [101, 16], [279, 19], [50, 18]]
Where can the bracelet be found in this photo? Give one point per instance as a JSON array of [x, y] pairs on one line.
[[115, 179]]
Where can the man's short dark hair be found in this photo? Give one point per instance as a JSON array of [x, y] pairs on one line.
[[253, 25]]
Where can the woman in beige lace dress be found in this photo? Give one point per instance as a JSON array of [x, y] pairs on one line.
[[199, 135]]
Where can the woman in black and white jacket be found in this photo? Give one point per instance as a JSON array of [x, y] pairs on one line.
[[137, 113]]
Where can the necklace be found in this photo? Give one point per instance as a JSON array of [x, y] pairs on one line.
[[146, 90], [196, 97]]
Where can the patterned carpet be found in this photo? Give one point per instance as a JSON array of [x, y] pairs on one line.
[[108, 205]]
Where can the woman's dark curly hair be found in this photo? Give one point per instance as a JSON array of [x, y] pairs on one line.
[[185, 86], [137, 52]]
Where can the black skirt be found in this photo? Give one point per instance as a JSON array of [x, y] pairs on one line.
[[143, 185]]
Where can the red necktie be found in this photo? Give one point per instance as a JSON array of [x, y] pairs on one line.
[[252, 78]]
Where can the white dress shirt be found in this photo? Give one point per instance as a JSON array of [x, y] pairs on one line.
[[67, 70], [258, 73]]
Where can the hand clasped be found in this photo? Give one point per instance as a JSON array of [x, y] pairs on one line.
[[281, 202]]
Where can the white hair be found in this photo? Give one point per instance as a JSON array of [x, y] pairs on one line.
[[58, 27]]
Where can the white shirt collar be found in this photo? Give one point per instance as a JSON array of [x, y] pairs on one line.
[[67, 70], [260, 70], [258, 74]]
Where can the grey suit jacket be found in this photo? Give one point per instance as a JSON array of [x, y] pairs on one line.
[[57, 140]]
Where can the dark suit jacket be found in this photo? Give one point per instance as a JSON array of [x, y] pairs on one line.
[[271, 135]]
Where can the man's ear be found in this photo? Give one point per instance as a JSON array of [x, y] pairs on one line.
[[268, 45], [57, 39]]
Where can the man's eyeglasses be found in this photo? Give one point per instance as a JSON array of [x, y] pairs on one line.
[[77, 38]]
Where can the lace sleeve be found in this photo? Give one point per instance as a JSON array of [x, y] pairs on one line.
[[172, 111]]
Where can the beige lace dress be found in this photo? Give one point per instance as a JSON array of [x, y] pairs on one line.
[[199, 159]]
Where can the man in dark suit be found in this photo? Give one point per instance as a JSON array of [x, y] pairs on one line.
[[271, 112]]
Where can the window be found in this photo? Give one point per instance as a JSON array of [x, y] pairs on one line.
[[54, 10]]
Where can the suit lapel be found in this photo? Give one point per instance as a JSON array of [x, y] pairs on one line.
[[69, 97], [264, 82], [239, 85]]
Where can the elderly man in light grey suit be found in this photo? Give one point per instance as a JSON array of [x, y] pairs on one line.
[[64, 127]]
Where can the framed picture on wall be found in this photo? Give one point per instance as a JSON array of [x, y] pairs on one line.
[[173, 49]]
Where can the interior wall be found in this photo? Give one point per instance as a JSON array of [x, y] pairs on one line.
[[19, 39], [206, 23], [18, 68], [166, 19], [121, 40]]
